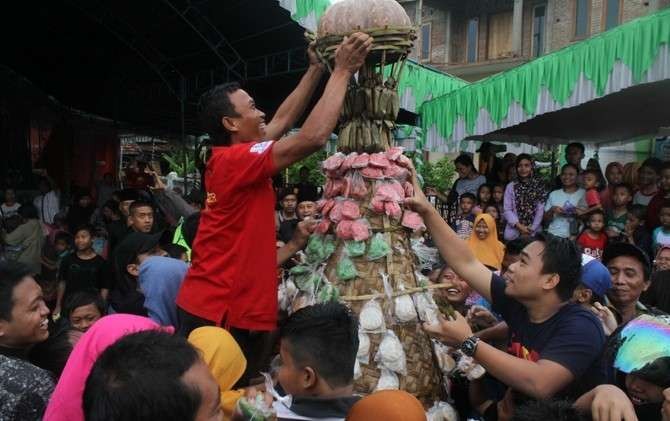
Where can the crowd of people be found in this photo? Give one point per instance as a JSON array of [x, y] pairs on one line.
[[143, 304]]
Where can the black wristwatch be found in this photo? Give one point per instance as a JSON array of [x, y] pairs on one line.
[[469, 346]]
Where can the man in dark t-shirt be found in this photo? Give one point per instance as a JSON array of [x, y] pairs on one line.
[[554, 347]]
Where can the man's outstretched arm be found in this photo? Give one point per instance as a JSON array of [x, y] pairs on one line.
[[294, 105]]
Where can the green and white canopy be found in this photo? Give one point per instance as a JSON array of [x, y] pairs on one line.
[[418, 83], [613, 86]]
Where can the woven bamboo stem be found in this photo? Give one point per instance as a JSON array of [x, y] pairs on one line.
[[406, 291]]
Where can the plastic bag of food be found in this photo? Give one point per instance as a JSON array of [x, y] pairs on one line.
[[357, 370], [363, 354], [413, 221], [428, 256], [388, 380], [394, 153], [323, 226], [334, 162], [360, 230], [391, 354], [361, 161], [328, 292], [286, 293], [372, 172], [393, 210], [470, 368], [350, 210], [426, 307], [354, 248], [336, 212], [396, 171], [387, 192], [346, 269], [255, 409], [378, 247], [359, 190], [443, 355], [348, 162], [319, 248], [442, 411], [372, 317], [343, 231], [379, 160], [377, 204], [404, 306]]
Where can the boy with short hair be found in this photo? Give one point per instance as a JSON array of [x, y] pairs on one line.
[[318, 350], [661, 235], [83, 270], [591, 180], [593, 239], [594, 283], [465, 220], [636, 232], [622, 196]]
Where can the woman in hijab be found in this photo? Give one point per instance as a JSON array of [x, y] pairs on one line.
[[524, 201], [66, 401], [225, 360], [387, 405], [484, 242]]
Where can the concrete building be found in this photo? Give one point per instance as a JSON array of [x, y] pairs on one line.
[[473, 39]]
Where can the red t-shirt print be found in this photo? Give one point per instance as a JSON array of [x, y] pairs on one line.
[[232, 280], [593, 246]]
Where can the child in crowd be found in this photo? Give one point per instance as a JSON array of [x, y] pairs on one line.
[[614, 176], [465, 220], [647, 181], [484, 242], [594, 283], [83, 270], [591, 180], [663, 195], [661, 235], [662, 260], [593, 239], [561, 207], [484, 198], [635, 231], [498, 195], [52, 256], [82, 309], [495, 213], [318, 347], [617, 216]]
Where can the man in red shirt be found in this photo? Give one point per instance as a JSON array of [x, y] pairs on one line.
[[232, 281]]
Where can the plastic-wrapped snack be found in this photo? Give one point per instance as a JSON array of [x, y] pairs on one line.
[[343, 230], [361, 161], [404, 161], [372, 317], [396, 171], [301, 275], [336, 212], [379, 160], [359, 190], [319, 248], [372, 172], [413, 221], [328, 292], [391, 355], [421, 279], [442, 411], [363, 354], [348, 162], [350, 210], [394, 153], [346, 269], [334, 162], [360, 229], [404, 307], [323, 226], [378, 247], [393, 210], [470, 368], [354, 248], [428, 256], [287, 291], [387, 192], [426, 307], [377, 204], [388, 380], [444, 358], [255, 409]]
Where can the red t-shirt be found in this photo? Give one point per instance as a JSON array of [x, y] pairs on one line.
[[592, 197], [233, 277], [593, 246]]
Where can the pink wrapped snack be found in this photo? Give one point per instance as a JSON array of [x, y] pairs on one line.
[[344, 230], [413, 221], [358, 188], [361, 161], [320, 204], [327, 207], [372, 172], [395, 185], [348, 162], [386, 192], [360, 230], [409, 189], [394, 153], [336, 212], [392, 210], [379, 160], [350, 210], [334, 162], [404, 161], [338, 187], [377, 204], [347, 187], [323, 226], [396, 171]]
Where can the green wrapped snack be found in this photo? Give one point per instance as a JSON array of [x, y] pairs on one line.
[[378, 247], [302, 277], [256, 410], [329, 293], [300, 270], [355, 248], [319, 248], [346, 270]]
